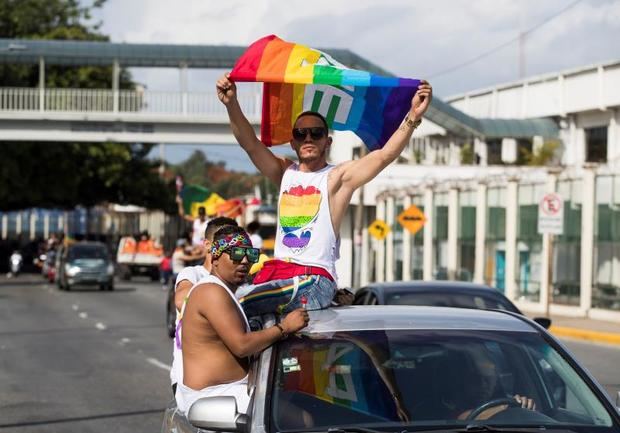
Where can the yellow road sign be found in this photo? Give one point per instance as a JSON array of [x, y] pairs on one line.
[[379, 230], [412, 219]]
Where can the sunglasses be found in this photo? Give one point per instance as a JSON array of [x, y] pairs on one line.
[[238, 253], [316, 133]]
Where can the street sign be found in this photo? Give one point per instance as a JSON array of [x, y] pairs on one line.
[[412, 219], [551, 214], [379, 230]]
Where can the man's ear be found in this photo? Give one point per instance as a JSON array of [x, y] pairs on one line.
[[329, 141]]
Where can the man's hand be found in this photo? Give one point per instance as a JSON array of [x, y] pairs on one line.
[[295, 320], [421, 100], [226, 89], [526, 402]]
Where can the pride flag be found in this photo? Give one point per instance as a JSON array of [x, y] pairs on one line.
[[298, 78]]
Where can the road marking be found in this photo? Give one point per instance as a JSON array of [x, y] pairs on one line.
[[157, 363], [75, 307], [124, 341], [101, 326], [83, 315]]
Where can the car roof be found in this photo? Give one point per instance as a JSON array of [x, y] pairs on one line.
[[382, 317], [88, 244]]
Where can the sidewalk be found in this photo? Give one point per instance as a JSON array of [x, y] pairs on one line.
[[582, 328]]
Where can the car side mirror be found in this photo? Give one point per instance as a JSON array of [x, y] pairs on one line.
[[217, 414], [545, 322]]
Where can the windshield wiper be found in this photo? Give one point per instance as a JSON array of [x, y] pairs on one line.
[[475, 427], [352, 429]]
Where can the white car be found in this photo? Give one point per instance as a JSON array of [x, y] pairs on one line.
[[406, 369]]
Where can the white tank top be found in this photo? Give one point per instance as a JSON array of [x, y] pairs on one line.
[[305, 232]]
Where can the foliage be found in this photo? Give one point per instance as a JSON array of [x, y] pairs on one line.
[[197, 169], [68, 174], [543, 155], [467, 154]]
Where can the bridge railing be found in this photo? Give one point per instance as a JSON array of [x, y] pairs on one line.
[[17, 99]]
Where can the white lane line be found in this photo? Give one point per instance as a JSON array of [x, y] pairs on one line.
[[100, 326], [75, 307], [157, 363], [83, 315]]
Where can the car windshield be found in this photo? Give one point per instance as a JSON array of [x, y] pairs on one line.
[[87, 252], [444, 299], [388, 380]]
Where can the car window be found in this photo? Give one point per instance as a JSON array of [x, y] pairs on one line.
[[387, 379], [87, 252], [449, 299]]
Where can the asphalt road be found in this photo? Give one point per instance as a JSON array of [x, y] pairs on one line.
[[90, 361], [82, 361]]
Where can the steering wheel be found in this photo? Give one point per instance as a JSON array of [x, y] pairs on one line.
[[492, 403]]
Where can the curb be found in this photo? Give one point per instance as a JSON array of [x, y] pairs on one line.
[[582, 334]]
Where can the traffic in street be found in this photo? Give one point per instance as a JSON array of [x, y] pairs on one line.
[[98, 361]]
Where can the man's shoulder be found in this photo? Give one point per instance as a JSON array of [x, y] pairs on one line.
[[192, 273]]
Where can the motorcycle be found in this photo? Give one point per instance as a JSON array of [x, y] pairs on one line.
[[15, 264]]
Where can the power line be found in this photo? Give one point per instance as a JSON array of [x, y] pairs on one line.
[[505, 44]]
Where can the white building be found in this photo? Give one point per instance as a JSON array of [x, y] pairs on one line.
[[467, 169]]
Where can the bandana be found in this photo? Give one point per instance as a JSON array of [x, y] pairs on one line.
[[229, 241]]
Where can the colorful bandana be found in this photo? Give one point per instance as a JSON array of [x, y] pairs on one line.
[[221, 245]]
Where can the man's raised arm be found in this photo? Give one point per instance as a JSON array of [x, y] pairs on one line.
[[358, 172], [265, 161]]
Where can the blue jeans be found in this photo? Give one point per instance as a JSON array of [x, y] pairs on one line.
[[283, 296]]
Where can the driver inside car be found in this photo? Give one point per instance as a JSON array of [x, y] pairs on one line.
[[477, 392]]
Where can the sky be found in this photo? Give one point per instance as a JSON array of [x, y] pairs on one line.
[[439, 40]]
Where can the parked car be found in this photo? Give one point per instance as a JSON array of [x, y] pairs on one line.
[[439, 294], [85, 263], [405, 368]]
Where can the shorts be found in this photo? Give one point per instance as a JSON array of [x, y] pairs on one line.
[[283, 296], [186, 396]]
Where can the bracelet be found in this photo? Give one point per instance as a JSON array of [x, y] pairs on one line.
[[284, 334], [412, 124]]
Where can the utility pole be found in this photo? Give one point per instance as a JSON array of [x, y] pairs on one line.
[[358, 230]]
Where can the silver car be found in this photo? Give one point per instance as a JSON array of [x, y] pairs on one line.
[[406, 369], [85, 263]]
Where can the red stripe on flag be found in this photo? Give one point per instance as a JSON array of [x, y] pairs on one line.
[[247, 66]]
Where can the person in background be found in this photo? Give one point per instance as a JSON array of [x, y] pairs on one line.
[[165, 270], [255, 237], [199, 225]]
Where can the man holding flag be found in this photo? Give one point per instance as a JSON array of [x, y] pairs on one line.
[[314, 195]]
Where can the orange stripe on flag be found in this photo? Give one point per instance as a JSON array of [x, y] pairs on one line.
[[274, 61]]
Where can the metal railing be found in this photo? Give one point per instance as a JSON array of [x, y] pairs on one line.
[[17, 99]]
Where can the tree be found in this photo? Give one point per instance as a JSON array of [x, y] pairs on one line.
[[68, 174], [197, 169]]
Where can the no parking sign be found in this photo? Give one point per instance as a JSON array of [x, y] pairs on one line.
[[551, 214]]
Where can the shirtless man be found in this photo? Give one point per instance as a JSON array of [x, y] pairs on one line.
[[314, 197], [216, 339], [185, 280]]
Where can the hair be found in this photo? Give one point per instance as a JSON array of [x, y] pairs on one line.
[[202, 210], [253, 227], [217, 223], [315, 114], [229, 230]]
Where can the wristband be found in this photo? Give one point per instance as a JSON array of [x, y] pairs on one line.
[[284, 334]]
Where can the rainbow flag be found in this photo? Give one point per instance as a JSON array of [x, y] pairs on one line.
[[298, 78]]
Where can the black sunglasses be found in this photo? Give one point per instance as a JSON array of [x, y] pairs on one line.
[[316, 133], [238, 253]]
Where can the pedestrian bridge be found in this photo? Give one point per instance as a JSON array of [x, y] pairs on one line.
[[139, 115], [134, 116]]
